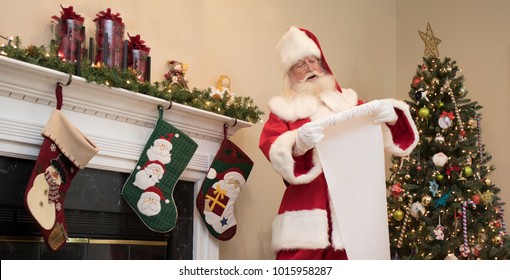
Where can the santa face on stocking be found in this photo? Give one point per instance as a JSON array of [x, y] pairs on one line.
[[150, 175], [220, 200], [161, 149], [149, 203]]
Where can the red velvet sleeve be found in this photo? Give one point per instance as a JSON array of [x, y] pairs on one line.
[[273, 128]]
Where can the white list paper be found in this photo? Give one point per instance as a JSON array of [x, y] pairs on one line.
[[352, 157]]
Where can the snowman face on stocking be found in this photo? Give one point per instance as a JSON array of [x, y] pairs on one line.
[[52, 176], [149, 175]]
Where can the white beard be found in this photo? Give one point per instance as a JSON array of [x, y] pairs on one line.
[[144, 179], [314, 87], [148, 207], [155, 153]]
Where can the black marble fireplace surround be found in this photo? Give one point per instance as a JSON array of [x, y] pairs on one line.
[[101, 224]]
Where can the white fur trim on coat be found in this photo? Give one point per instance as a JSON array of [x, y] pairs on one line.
[[293, 46], [280, 155], [294, 108], [303, 229], [389, 144], [339, 102], [305, 106]]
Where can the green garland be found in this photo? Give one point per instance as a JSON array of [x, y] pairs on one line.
[[241, 108]]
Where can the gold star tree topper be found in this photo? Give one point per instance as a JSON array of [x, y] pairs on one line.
[[430, 41]]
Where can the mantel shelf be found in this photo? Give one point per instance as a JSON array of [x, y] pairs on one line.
[[117, 120]]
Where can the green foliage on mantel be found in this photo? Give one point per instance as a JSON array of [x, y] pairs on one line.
[[241, 108]]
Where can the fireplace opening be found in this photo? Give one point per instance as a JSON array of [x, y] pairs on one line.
[[101, 225]]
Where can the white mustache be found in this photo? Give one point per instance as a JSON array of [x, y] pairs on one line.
[[310, 74]]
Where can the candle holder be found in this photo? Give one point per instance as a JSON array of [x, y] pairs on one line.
[[69, 34], [139, 63], [109, 42], [138, 57], [109, 38]]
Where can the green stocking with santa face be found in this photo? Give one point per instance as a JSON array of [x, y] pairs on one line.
[[149, 188], [224, 181]]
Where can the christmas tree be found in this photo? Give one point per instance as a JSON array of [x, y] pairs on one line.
[[442, 202]]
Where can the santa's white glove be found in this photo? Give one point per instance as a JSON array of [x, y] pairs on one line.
[[384, 112], [308, 135]]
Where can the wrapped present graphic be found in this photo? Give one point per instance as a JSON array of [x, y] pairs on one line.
[[218, 199]]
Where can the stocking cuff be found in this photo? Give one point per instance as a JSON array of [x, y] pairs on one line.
[[71, 142]]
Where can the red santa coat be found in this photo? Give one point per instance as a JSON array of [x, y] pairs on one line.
[[304, 219]]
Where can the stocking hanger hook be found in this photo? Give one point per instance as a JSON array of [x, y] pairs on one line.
[[69, 81], [235, 123], [169, 106]]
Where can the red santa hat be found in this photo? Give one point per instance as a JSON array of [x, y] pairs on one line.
[[168, 137], [296, 44], [156, 193], [150, 162]]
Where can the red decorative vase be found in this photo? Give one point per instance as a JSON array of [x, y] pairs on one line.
[[139, 63], [68, 37], [109, 41]]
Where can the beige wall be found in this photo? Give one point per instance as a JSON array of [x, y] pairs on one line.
[[238, 38], [474, 33]]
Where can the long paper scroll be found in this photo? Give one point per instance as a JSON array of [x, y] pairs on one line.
[[352, 157]]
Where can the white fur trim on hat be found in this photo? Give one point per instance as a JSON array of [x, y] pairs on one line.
[[303, 229], [293, 46]]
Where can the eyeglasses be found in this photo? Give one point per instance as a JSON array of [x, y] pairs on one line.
[[303, 64]]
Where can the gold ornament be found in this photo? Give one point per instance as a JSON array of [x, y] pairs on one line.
[[487, 197], [395, 167], [431, 42], [425, 200], [497, 239], [407, 176], [398, 215], [487, 182]]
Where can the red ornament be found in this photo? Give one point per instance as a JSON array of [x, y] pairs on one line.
[[462, 132], [418, 167], [476, 199], [396, 190], [416, 82]]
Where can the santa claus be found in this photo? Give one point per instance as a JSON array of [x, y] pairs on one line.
[[149, 174], [161, 149], [149, 203], [306, 227]]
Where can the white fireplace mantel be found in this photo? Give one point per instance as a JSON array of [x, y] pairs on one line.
[[118, 121]]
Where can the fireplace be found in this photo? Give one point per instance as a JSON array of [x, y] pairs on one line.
[[101, 225]]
